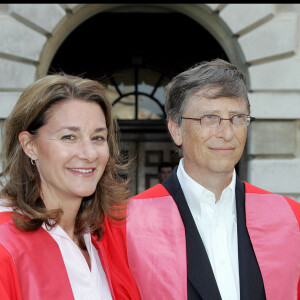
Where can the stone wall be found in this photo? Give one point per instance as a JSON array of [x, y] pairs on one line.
[[262, 39]]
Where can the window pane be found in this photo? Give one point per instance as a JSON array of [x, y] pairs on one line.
[[112, 93], [159, 93], [148, 109], [147, 80], [125, 80], [125, 108]]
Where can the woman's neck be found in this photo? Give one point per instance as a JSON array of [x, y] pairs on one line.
[[70, 208]]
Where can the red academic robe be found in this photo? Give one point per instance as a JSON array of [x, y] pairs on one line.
[[32, 268], [157, 249]]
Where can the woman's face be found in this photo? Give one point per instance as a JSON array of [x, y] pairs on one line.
[[71, 150]]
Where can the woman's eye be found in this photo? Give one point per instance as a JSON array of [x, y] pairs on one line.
[[68, 137], [99, 138]]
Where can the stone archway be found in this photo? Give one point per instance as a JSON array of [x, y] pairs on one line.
[[250, 34], [258, 38], [137, 62]]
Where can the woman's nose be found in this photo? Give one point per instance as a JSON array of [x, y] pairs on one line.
[[87, 150]]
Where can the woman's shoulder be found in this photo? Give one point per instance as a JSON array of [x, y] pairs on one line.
[[6, 211], [5, 204]]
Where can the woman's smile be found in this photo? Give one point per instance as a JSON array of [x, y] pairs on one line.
[[82, 171]]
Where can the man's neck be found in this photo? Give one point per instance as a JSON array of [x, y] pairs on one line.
[[215, 184], [212, 181]]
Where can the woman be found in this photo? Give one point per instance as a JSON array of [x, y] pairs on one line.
[[62, 200]]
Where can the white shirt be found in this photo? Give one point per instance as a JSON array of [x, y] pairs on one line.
[[86, 284], [216, 223]]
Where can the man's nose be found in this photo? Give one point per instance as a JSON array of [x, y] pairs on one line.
[[225, 130]]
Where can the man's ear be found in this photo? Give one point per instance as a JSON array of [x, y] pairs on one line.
[[27, 142], [175, 131]]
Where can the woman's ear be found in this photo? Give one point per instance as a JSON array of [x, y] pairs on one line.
[[175, 131], [27, 142]]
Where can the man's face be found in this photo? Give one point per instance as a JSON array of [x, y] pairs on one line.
[[210, 151], [164, 173]]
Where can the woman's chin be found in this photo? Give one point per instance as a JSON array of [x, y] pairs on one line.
[[85, 193]]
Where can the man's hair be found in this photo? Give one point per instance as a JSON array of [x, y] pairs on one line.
[[212, 79], [21, 180]]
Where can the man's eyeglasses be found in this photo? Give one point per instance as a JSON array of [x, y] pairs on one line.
[[239, 120]]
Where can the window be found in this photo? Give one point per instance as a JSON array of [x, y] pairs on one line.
[[137, 93]]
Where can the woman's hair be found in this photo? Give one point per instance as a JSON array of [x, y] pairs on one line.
[[21, 180]]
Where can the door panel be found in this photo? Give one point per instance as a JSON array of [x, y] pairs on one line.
[[146, 157]]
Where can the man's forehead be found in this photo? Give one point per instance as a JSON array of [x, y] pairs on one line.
[[215, 93], [203, 98], [202, 104], [208, 92]]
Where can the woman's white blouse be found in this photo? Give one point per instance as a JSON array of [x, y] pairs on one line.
[[86, 283]]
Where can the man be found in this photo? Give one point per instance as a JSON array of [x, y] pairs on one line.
[[164, 170], [203, 233]]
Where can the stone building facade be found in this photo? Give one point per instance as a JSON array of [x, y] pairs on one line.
[[262, 39]]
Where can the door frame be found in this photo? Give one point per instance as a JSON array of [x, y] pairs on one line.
[[135, 132]]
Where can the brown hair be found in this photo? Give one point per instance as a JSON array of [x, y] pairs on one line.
[[215, 79], [20, 179]]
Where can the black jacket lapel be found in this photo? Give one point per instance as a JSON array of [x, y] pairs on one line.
[[251, 283], [201, 280]]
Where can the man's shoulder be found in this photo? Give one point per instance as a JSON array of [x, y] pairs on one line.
[[252, 189], [154, 192]]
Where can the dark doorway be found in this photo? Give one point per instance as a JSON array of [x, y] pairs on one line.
[[170, 42], [152, 47]]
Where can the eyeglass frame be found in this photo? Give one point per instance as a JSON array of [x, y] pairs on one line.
[[249, 120]]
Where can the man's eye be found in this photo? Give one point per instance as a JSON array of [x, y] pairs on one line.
[[210, 117], [239, 116]]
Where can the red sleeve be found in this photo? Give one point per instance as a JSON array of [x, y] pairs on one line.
[[9, 283]]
